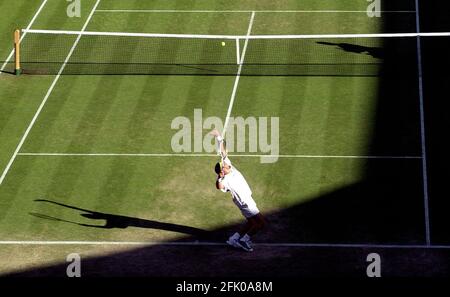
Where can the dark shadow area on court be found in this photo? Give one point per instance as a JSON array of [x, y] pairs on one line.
[[436, 90]]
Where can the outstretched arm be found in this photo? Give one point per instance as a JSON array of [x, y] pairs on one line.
[[222, 150]]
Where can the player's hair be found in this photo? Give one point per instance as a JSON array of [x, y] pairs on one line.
[[218, 168]]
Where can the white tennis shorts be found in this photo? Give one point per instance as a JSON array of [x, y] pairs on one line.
[[248, 208]]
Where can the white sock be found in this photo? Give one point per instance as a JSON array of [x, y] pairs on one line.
[[235, 236], [245, 237]]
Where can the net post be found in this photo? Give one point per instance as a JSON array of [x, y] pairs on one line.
[[238, 56], [17, 68]]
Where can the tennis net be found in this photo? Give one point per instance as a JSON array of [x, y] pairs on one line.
[[109, 53]]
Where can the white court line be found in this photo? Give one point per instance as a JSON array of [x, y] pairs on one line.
[[50, 90], [23, 35], [244, 11], [211, 155], [238, 75], [422, 130], [206, 243]]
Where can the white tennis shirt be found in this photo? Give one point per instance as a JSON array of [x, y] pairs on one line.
[[235, 183]]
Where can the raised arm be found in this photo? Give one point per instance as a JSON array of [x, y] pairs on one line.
[[222, 148]]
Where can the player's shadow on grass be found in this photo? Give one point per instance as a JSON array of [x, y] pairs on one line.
[[376, 52], [121, 222]]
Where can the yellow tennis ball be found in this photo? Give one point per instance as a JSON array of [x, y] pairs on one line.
[[223, 43]]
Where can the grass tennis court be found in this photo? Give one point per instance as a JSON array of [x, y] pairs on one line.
[[351, 172]]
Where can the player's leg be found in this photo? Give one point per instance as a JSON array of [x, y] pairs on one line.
[[241, 238], [247, 227], [254, 223], [234, 239], [257, 223]]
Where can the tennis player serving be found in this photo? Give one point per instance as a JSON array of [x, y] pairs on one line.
[[229, 179]]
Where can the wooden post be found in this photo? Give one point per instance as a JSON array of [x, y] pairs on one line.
[[18, 70]]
